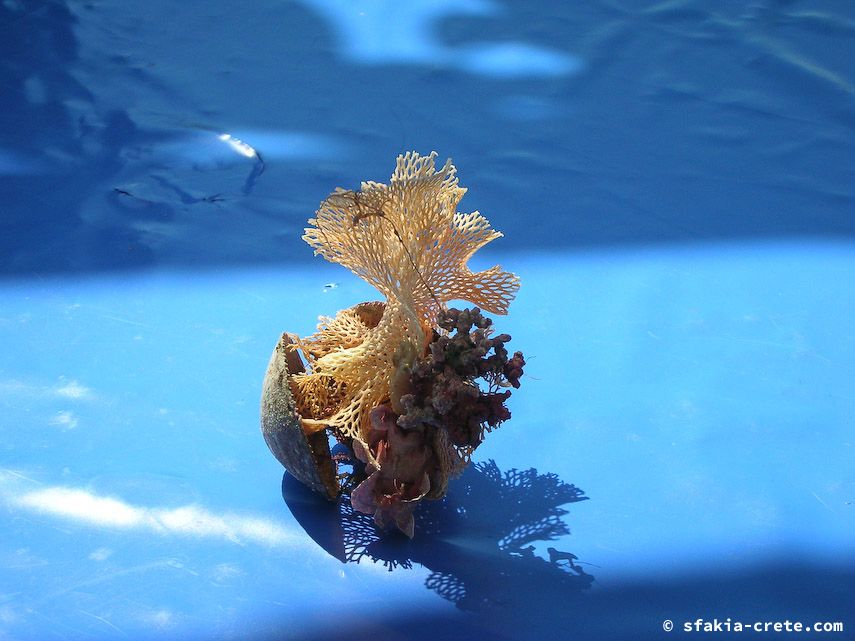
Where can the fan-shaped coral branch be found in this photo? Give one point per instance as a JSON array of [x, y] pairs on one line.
[[408, 240]]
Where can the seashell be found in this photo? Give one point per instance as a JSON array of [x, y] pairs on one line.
[[306, 457]]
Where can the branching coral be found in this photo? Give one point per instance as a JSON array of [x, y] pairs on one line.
[[388, 378], [444, 392], [443, 415]]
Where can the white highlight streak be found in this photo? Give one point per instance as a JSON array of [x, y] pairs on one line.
[[65, 420], [190, 520], [74, 390], [238, 145]]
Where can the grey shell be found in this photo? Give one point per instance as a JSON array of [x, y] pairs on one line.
[[308, 459]]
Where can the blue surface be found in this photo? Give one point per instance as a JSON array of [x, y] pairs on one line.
[[675, 182]]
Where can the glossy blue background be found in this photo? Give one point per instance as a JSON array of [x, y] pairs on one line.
[[675, 183]]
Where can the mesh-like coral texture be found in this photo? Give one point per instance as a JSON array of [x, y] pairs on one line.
[[408, 240], [348, 329], [317, 396], [363, 372]]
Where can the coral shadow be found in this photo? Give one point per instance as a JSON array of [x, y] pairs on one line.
[[478, 542]]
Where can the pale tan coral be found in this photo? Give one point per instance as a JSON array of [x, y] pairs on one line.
[[348, 329], [408, 240], [318, 395]]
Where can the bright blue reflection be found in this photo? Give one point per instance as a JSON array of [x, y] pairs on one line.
[[516, 60], [365, 36], [363, 26], [700, 399]]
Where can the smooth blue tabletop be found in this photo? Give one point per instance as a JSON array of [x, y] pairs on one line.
[[676, 185]]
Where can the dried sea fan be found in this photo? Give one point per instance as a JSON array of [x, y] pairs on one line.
[[368, 364]]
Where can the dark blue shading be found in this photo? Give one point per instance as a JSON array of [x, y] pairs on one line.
[[678, 122], [477, 542]]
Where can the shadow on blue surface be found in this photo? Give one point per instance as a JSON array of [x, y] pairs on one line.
[[580, 125], [785, 591], [477, 542], [477, 545]]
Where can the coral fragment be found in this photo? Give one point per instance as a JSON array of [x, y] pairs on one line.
[[398, 380]]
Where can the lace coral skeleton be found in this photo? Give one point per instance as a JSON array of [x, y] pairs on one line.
[[408, 240]]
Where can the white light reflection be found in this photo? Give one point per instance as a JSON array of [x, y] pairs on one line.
[[206, 148], [238, 145], [72, 389], [65, 389], [65, 421], [190, 520]]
